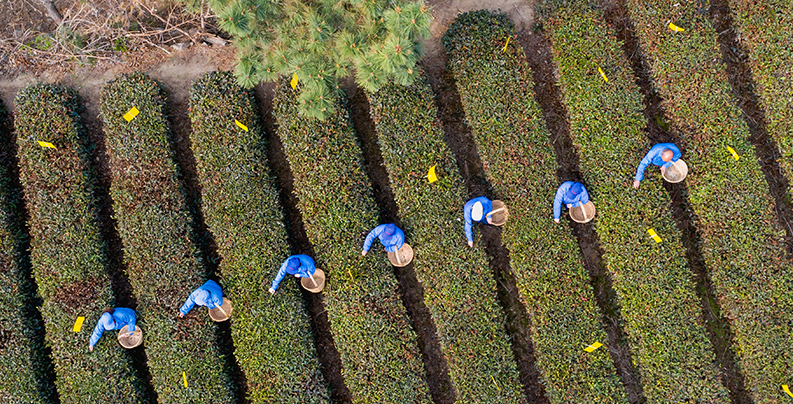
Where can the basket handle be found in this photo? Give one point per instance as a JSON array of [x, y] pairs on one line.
[[492, 212]]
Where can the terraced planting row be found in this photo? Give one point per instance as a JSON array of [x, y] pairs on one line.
[[272, 335], [506, 122], [459, 288], [378, 348], [763, 27], [742, 242], [162, 261], [23, 363], [653, 280], [68, 257]]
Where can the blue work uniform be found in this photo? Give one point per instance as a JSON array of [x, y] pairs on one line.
[[390, 236], [565, 194], [305, 269], [121, 316], [209, 294], [654, 156], [487, 207]]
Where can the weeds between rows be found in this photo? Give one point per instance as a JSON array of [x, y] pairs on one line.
[[163, 264], [378, 349], [458, 287], [68, 257], [513, 143], [272, 333], [652, 280], [742, 242]]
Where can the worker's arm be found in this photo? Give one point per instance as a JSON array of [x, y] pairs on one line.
[[643, 166], [375, 233], [98, 330], [557, 200], [215, 294], [469, 234], [130, 321], [279, 277], [399, 238], [583, 197], [307, 265], [188, 304]]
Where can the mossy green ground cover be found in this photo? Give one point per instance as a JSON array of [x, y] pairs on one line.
[[162, 263], [742, 242], [68, 256], [371, 330], [459, 288], [272, 334], [495, 89], [764, 27], [653, 281]]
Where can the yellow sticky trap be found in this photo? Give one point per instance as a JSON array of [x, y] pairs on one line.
[[131, 114], [494, 382], [243, 127], [505, 49], [293, 83], [46, 144], [606, 79], [431, 177], [594, 346], [734, 154], [654, 235], [787, 390], [675, 28], [78, 325], [184, 377]]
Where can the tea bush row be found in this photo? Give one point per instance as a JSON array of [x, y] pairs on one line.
[[272, 334], [742, 242], [69, 259], [459, 288], [162, 263], [653, 282], [371, 330], [495, 89]]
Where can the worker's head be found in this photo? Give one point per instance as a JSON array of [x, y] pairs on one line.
[[476, 211], [293, 263], [390, 229], [574, 190], [667, 155]]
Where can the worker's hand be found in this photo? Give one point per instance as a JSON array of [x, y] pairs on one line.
[[272, 291], [181, 315], [556, 220], [130, 334], [363, 253], [636, 184], [470, 244], [90, 348], [297, 275], [569, 205], [663, 170]]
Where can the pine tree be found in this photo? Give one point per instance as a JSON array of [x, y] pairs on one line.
[[323, 40]]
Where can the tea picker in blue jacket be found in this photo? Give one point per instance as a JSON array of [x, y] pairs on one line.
[[476, 209], [662, 155], [390, 236], [301, 266], [571, 194], [209, 294], [113, 319]]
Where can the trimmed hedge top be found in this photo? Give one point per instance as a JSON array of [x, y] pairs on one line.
[[163, 264], [495, 89], [459, 288], [272, 334], [370, 327], [68, 257]]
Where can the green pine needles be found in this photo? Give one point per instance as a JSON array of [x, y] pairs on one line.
[[321, 41]]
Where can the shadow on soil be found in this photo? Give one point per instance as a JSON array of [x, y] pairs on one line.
[[329, 358]]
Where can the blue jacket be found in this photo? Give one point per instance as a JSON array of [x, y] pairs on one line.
[[391, 242], [121, 316], [487, 206], [209, 294], [306, 269], [562, 197], [654, 156]]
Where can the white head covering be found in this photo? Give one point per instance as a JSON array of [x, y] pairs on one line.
[[476, 212]]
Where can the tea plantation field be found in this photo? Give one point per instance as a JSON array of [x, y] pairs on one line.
[[535, 312]]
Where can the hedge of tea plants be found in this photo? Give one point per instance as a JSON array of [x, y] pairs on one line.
[[742, 242], [495, 89], [272, 334], [459, 288], [653, 282], [23, 363], [764, 29], [370, 327], [162, 263], [69, 260]]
